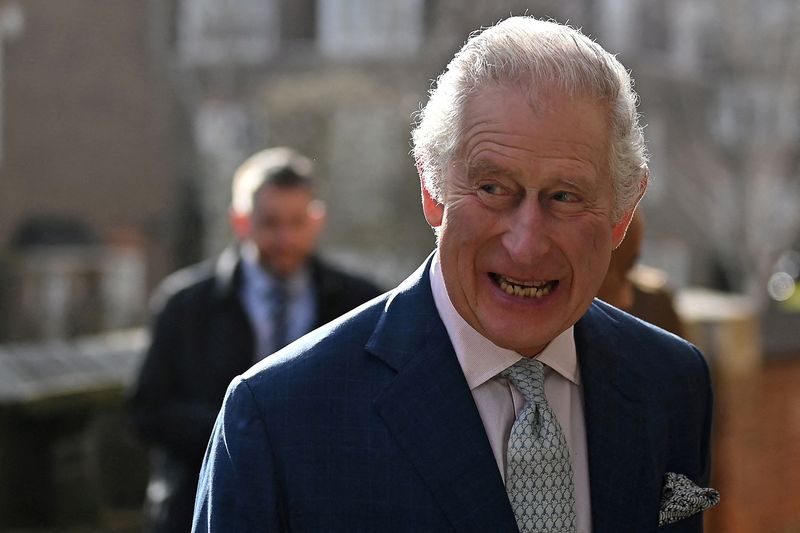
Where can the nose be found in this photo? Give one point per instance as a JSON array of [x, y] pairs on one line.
[[286, 232], [527, 238]]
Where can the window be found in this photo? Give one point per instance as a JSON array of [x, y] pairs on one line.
[[615, 23], [213, 32], [366, 28]]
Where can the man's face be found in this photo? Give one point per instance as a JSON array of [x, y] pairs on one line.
[[284, 226], [526, 232]]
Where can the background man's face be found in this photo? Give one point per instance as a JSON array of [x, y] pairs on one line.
[[525, 230], [284, 225]]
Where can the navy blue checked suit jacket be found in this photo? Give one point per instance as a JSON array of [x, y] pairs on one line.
[[367, 424]]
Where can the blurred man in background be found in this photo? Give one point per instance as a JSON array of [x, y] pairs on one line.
[[215, 319]]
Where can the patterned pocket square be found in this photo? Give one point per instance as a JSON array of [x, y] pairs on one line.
[[681, 498]]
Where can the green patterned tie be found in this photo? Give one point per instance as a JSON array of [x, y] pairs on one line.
[[538, 473]]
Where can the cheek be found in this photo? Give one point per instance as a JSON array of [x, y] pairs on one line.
[[589, 251], [601, 252], [599, 260], [262, 237], [468, 224], [308, 240]]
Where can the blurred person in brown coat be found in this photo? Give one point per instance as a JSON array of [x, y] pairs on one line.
[[638, 289]]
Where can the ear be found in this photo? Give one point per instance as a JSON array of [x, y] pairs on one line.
[[317, 214], [434, 211], [240, 224], [621, 227]]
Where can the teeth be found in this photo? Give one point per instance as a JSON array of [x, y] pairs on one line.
[[538, 284], [525, 289]]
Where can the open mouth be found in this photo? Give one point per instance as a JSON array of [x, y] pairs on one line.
[[524, 289]]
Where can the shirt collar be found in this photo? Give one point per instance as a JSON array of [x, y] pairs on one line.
[[480, 358]]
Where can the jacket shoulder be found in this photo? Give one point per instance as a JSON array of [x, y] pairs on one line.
[[331, 351], [641, 344], [335, 278], [189, 284], [601, 314]]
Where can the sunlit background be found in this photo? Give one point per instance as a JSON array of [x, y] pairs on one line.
[[121, 122]]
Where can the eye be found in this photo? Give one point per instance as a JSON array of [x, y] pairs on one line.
[[492, 188], [495, 195], [566, 202], [564, 196]]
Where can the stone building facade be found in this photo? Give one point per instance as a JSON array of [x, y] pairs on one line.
[[90, 177], [129, 117]]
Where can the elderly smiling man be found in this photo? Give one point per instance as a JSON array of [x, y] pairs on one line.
[[489, 391]]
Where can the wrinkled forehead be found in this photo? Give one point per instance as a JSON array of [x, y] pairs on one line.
[[542, 101], [540, 95]]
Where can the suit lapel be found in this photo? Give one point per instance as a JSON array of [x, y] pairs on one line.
[[621, 465], [430, 411]]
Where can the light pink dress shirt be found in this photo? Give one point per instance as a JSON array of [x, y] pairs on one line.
[[499, 402]]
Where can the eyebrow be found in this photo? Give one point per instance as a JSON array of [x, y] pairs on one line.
[[484, 168]]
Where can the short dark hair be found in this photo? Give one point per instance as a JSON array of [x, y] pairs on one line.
[[280, 166]]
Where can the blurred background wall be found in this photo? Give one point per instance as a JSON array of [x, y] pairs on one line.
[[121, 122]]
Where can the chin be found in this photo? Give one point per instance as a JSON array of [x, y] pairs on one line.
[[282, 269], [509, 338]]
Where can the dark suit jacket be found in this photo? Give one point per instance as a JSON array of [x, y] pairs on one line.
[[368, 425], [201, 340]]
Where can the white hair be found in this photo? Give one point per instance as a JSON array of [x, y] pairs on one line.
[[540, 56]]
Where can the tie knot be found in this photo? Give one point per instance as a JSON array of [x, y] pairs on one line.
[[527, 375]]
